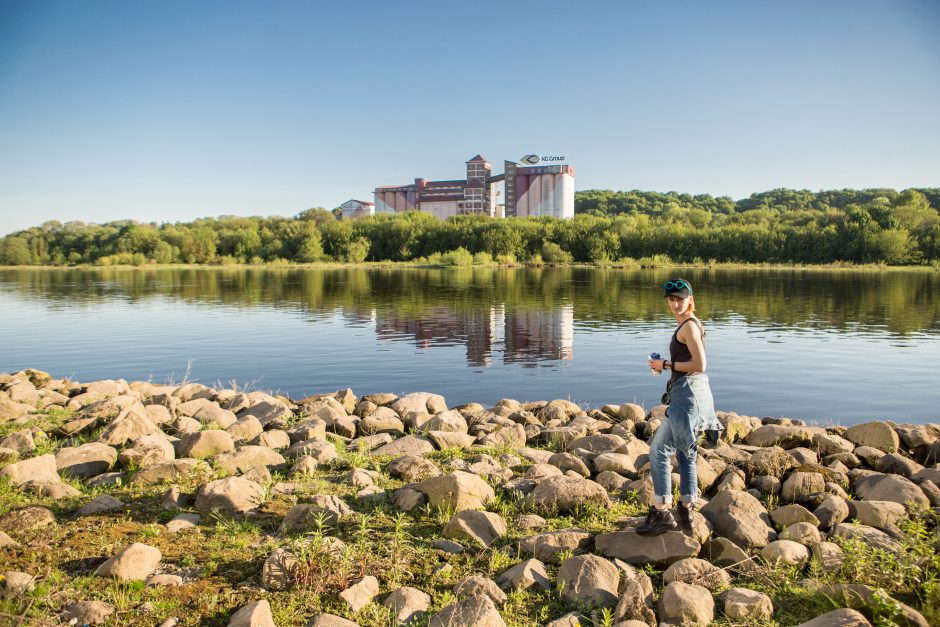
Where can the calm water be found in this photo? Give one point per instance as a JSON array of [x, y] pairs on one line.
[[840, 346]]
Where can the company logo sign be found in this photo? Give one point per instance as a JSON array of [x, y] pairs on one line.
[[535, 159]]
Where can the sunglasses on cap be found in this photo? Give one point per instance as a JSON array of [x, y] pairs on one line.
[[677, 284]]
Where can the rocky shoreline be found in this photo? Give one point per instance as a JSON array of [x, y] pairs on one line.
[[135, 503]]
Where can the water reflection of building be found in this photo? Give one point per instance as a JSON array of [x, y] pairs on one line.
[[527, 336], [534, 335]]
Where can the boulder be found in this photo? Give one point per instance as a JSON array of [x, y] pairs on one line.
[[741, 518], [411, 468], [134, 563], [245, 429], [148, 450], [130, 424], [546, 546], [633, 548], [407, 445], [801, 484], [527, 574], [697, 571], [779, 435], [257, 614], [881, 487], [792, 514], [205, 444], [361, 593], [878, 514], [829, 555], [876, 434], [481, 528], [211, 415], [844, 617], [246, 458], [896, 464], [306, 517], [230, 495], [87, 613], [266, 411], [169, 471], [26, 519], [743, 604], [785, 552], [772, 462], [99, 505], [277, 572], [805, 533], [456, 491], [869, 535], [330, 620], [476, 585], [42, 468], [564, 494], [407, 604], [589, 579], [476, 611], [687, 604], [14, 583], [86, 460]]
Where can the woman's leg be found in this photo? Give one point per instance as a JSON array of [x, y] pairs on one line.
[[661, 451], [688, 476]]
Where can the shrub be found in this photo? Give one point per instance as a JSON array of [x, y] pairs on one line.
[[553, 253], [460, 257], [482, 258]]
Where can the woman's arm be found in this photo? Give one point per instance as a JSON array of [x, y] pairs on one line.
[[691, 336]]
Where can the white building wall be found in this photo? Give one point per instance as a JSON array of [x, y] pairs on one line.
[[567, 194], [441, 209]]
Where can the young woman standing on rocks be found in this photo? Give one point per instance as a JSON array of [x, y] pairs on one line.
[[691, 412]]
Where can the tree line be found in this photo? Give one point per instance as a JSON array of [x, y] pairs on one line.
[[779, 226]]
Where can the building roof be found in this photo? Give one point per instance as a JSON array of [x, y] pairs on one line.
[[477, 158]]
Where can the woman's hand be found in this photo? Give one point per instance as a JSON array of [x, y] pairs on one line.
[[656, 364]]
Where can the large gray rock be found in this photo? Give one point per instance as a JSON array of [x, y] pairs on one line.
[[481, 528], [771, 462], [546, 546], [361, 593], [323, 508], [868, 535], [881, 487], [266, 411], [14, 583], [477, 585], [743, 604], [212, 416], [792, 514], [99, 505], [231, 495], [697, 571], [475, 611], [877, 434], [565, 494], [42, 468], [779, 435], [205, 444], [801, 484], [330, 620], [412, 468], [148, 450], [129, 425], [785, 552], [633, 548], [257, 614], [527, 574], [589, 579], [175, 470], [686, 604], [844, 617], [457, 491], [831, 511], [86, 460], [133, 563], [27, 519], [87, 612], [277, 572], [246, 458], [407, 445], [741, 518], [407, 604], [878, 514]]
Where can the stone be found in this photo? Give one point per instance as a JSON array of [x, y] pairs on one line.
[[456, 491], [317, 450], [407, 604], [245, 429], [772, 461], [589, 579], [726, 554], [165, 581], [133, 563], [867, 599], [881, 487], [212, 416], [277, 572], [175, 470], [792, 514], [741, 518], [450, 439], [481, 528], [129, 425], [802, 532], [231, 495], [148, 450], [779, 435], [565, 494], [633, 548], [829, 555], [182, 522], [546, 546], [476, 611], [330, 620], [257, 614], [273, 439], [408, 498], [615, 462], [742, 604], [869, 455], [87, 612], [21, 441], [528, 522], [687, 604], [476, 585], [895, 464], [86, 460], [631, 411], [801, 484], [785, 552], [383, 420], [844, 617], [306, 517], [527, 574], [407, 445], [598, 443], [248, 457], [869, 535], [412, 468], [41, 468], [567, 461], [448, 546], [99, 505], [6, 540], [636, 597], [14, 583], [361, 593], [52, 489], [266, 411], [878, 514], [27, 519], [803, 455], [205, 444], [831, 444], [697, 571], [876, 434]]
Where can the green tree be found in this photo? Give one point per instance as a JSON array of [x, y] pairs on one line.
[[14, 251]]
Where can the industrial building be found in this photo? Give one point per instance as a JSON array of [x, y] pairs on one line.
[[353, 209], [528, 190]]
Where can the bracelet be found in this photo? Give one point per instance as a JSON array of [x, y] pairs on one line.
[[667, 365]]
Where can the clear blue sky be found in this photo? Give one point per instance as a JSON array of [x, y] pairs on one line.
[[166, 111]]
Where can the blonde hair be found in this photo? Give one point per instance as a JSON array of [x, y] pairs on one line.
[[691, 303]]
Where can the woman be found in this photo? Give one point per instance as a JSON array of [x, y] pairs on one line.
[[691, 411]]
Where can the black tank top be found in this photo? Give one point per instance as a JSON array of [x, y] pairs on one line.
[[679, 351]]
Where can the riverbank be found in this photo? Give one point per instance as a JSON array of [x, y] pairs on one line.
[[143, 504], [626, 264]]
